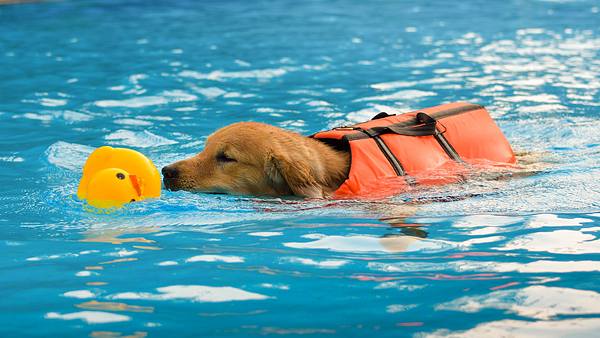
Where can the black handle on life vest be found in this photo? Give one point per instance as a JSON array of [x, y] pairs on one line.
[[426, 127], [382, 115], [426, 119]]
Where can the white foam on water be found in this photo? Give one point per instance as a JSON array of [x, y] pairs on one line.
[[141, 139], [155, 117], [526, 83], [372, 110], [74, 116], [393, 85], [90, 317], [132, 122], [484, 231], [242, 63], [70, 156], [540, 266], [399, 286], [136, 102], [38, 117], [405, 267], [485, 221], [265, 233], [481, 240], [313, 236], [87, 252], [410, 94], [275, 286], [211, 92], [318, 103], [117, 88], [179, 96], [81, 294], [395, 308], [292, 124], [84, 273], [542, 108], [47, 116], [122, 253], [54, 256], [195, 293], [48, 102], [363, 243], [324, 264], [236, 95], [560, 242], [418, 63], [551, 220], [542, 98], [215, 258], [220, 75], [14, 159], [536, 302], [580, 327]]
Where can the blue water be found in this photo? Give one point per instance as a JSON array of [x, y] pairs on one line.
[[514, 256]]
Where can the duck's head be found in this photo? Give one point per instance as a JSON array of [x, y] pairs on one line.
[[112, 188]]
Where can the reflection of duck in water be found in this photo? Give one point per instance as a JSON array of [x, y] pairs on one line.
[[113, 236]]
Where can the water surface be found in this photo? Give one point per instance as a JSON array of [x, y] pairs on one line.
[[518, 256]]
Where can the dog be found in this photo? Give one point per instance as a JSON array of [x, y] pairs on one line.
[[251, 158]]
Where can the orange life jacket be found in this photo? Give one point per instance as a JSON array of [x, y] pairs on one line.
[[429, 146]]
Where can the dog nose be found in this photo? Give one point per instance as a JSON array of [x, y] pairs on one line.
[[170, 172]]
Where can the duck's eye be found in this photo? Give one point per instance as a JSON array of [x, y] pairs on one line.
[[224, 158], [120, 176]]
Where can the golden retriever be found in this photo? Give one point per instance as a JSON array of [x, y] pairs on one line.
[[250, 158]]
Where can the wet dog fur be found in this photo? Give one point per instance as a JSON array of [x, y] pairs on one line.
[[250, 158]]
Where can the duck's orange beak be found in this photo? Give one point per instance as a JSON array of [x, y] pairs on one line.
[[136, 184]]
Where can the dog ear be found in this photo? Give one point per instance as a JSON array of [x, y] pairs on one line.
[[296, 176]]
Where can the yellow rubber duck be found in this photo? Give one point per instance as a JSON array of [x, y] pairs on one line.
[[113, 177]]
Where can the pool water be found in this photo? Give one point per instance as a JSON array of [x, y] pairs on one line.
[[516, 256]]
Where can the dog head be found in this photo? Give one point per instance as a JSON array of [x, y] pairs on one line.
[[249, 158]]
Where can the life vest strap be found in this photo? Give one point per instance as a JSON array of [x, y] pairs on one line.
[[424, 129], [439, 136], [427, 128], [425, 125], [396, 165], [393, 160]]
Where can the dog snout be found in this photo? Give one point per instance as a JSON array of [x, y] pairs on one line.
[[169, 172], [170, 175]]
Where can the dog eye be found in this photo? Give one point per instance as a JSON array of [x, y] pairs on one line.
[[222, 157]]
